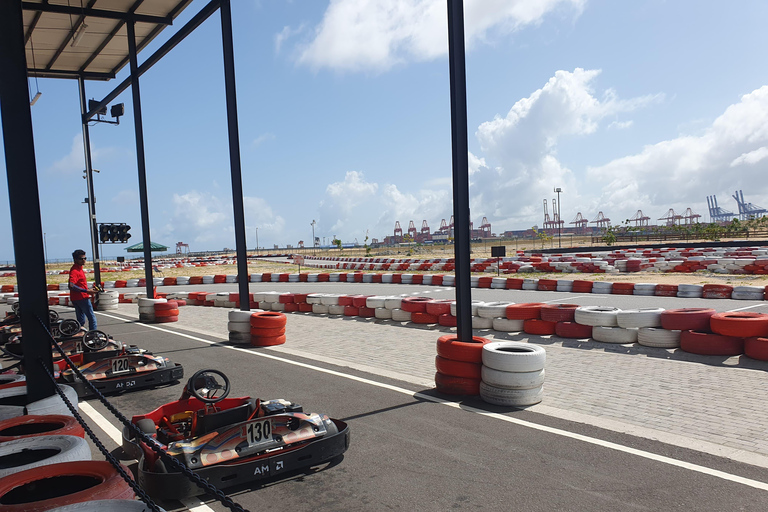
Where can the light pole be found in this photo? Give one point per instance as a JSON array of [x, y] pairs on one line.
[[257, 241], [559, 218], [313, 236]]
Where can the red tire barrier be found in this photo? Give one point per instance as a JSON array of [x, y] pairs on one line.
[[33, 426], [421, 317], [169, 281], [166, 319], [525, 311], [121, 283], [708, 344], [716, 291], [547, 285], [514, 284], [439, 307], [305, 308], [291, 307], [623, 288], [265, 277], [268, 319], [181, 302], [686, 319], [450, 347], [457, 368], [580, 286], [285, 298], [558, 312], [397, 278], [196, 280], [415, 304], [666, 290], [265, 341], [450, 385], [66, 483], [447, 320], [345, 300], [366, 312], [219, 278], [484, 282], [323, 278], [755, 347], [437, 280], [573, 330], [537, 326], [359, 300], [163, 313], [300, 298], [267, 332], [417, 279], [740, 324]]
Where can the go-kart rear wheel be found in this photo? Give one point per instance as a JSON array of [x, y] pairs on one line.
[[147, 426]]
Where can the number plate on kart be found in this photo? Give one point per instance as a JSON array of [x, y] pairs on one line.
[[258, 431], [120, 365]]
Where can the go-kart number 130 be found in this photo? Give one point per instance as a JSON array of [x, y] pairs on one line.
[[258, 431], [120, 365]]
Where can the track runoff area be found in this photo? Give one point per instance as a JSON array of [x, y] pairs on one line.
[[413, 449]]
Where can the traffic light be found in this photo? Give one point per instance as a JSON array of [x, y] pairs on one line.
[[114, 233], [104, 233]]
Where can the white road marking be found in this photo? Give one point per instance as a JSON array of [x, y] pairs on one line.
[[556, 431], [746, 307]]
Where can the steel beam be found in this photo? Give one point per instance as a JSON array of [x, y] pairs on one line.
[[89, 179], [97, 13]]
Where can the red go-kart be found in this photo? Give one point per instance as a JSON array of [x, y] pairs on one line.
[[229, 441]]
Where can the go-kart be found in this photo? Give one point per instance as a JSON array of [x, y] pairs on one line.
[[10, 326], [229, 441]]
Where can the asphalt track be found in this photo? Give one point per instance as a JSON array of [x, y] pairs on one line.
[[412, 449]]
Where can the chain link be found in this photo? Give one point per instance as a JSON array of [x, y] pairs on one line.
[[173, 461]]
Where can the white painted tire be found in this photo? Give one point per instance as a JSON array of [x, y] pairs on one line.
[[616, 335], [145, 302], [748, 289], [647, 289], [513, 356], [393, 303], [315, 298], [147, 310], [208, 279], [239, 327], [690, 288], [659, 338], [383, 313], [596, 315], [747, 295], [479, 322], [277, 306], [240, 337], [376, 301], [63, 448], [690, 295], [512, 380], [398, 315], [475, 307], [330, 299], [564, 285], [643, 317], [493, 309], [602, 287], [50, 405], [335, 309], [530, 284], [511, 397], [236, 315], [182, 280], [270, 296], [255, 278], [507, 325], [105, 506], [319, 309]]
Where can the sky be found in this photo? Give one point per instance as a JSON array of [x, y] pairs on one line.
[[344, 119]]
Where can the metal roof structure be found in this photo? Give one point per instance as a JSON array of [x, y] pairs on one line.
[[153, 246]]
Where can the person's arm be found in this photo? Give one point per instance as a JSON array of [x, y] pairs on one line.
[[73, 286]]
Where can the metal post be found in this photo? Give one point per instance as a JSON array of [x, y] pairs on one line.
[[24, 201], [89, 180], [140, 161], [460, 168], [313, 236], [234, 153], [559, 218]]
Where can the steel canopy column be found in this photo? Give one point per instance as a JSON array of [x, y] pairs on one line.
[[460, 168], [139, 130], [24, 200], [89, 179], [234, 153]]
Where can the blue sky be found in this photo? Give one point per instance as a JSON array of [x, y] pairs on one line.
[[344, 116]]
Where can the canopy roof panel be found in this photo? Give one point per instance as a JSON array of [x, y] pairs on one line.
[[153, 246], [88, 38]]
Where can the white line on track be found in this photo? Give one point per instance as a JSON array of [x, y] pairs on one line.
[[746, 307], [551, 430]]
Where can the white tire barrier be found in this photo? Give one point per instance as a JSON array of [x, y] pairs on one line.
[[319, 309], [493, 309], [617, 335], [564, 285], [474, 307], [513, 356], [530, 284], [105, 505], [603, 287], [479, 322], [449, 280], [382, 313], [335, 309], [659, 338], [647, 289], [690, 291], [511, 397], [393, 303], [376, 301], [255, 278], [40, 451], [147, 308], [512, 380], [330, 299], [499, 283], [207, 279], [182, 280], [398, 315], [49, 405], [644, 317], [507, 325], [596, 315], [315, 298]]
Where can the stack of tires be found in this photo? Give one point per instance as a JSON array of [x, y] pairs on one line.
[[417, 307], [724, 334], [107, 300], [267, 328], [147, 309], [166, 311], [239, 326], [458, 365], [512, 373]]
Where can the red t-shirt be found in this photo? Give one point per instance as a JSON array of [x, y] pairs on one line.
[[77, 278]]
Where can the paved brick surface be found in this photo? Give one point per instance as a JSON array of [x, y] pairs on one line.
[[715, 405]]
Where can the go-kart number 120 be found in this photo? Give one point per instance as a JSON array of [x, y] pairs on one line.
[[120, 365], [258, 431]]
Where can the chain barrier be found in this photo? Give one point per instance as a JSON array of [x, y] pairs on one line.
[[151, 443]]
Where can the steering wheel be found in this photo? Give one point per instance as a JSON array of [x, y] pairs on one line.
[[15, 308], [95, 340], [69, 327], [53, 315], [204, 386]]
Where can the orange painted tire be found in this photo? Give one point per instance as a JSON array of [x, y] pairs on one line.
[[181, 302], [169, 281], [623, 288], [285, 298], [266, 332], [415, 304], [423, 318], [756, 348], [450, 347], [359, 300], [537, 326], [581, 286], [300, 298], [439, 307], [323, 278], [716, 291], [32, 426], [447, 320], [547, 285], [450, 385], [366, 312], [166, 306], [666, 290], [166, 319], [525, 311], [266, 277], [46, 487], [305, 308], [196, 280], [345, 300], [708, 344], [268, 319], [266, 341], [558, 312], [291, 307], [351, 311], [514, 284], [740, 324], [573, 330], [457, 368], [687, 319], [166, 312]]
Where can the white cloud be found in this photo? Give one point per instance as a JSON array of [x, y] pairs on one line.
[[751, 158], [126, 197], [285, 34], [379, 34], [620, 125], [261, 139], [73, 162]]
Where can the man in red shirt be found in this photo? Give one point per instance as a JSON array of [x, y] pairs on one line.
[[79, 295]]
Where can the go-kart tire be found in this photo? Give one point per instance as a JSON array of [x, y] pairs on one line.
[[268, 320], [756, 348], [511, 397], [636, 318], [267, 341], [596, 315], [450, 347], [513, 356], [457, 368], [32, 452], [512, 380], [105, 505], [12, 380], [538, 327], [23, 427], [709, 344], [558, 312], [740, 324], [269, 333], [525, 311], [658, 338], [460, 386], [615, 335], [573, 330], [687, 319], [46, 487]]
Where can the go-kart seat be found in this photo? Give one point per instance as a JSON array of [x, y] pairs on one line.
[[215, 420]]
